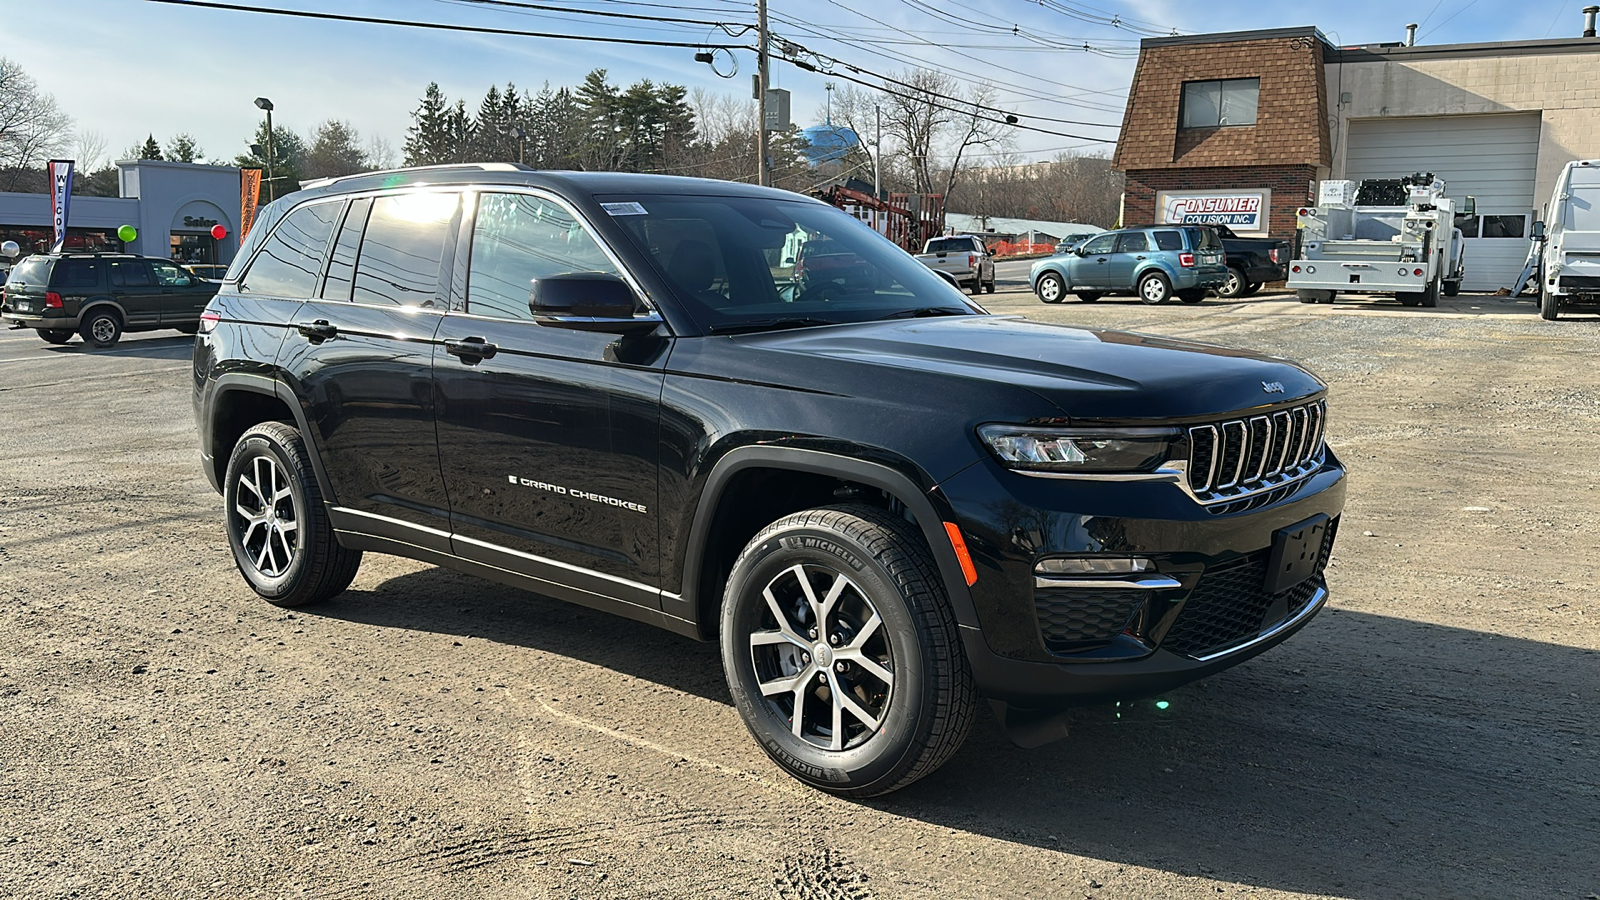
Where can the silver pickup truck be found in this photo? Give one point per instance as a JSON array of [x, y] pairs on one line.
[[963, 258]]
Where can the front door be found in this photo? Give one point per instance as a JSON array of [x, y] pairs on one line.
[[183, 295], [134, 288], [548, 437], [1132, 249], [1089, 269]]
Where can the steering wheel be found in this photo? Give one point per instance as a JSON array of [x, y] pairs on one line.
[[824, 291]]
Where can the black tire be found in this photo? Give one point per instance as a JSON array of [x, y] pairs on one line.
[[1050, 288], [1452, 288], [271, 459], [1154, 289], [101, 328], [1409, 299], [1314, 296], [1430, 296], [1250, 288], [977, 286], [1192, 296], [907, 726], [1089, 296], [988, 286], [1327, 297], [55, 335], [1233, 287], [1549, 303]]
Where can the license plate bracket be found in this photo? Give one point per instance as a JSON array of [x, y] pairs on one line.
[[1295, 551]]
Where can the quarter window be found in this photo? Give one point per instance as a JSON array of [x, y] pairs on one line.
[[1214, 104], [518, 239], [1169, 240], [342, 264], [288, 263], [403, 248]]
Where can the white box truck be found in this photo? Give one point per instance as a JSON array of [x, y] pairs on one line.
[[1386, 236], [1569, 261]]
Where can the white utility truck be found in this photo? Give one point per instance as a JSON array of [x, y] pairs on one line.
[[1569, 258], [1386, 236]]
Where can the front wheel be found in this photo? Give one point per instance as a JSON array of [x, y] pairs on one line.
[[841, 651], [282, 540], [1050, 288], [1549, 304], [55, 335], [1154, 288]]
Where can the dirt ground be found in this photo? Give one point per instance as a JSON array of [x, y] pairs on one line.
[[164, 733]]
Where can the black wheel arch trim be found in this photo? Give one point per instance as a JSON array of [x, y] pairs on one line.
[[253, 383], [918, 501]]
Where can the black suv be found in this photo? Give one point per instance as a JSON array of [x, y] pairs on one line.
[[882, 501], [101, 295]]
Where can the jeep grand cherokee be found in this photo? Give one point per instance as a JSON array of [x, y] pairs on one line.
[[883, 502]]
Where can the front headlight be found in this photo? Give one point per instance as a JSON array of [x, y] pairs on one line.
[[1079, 449]]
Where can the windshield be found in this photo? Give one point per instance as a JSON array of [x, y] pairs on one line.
[[740, 263]]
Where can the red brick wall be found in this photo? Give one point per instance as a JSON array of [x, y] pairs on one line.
[[1292, 187]]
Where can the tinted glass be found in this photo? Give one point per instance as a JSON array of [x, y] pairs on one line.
[[1502, 226], [32, 270], [1101, 244], [77, 274], [518, 239], [170, 275], [1202, 104], [951, 245], [1239, 98], [288, 263], [129, 273], [1132, 242], [1204, 239], [402, 249], [342, 264], [1169, 240], [1468, 226]]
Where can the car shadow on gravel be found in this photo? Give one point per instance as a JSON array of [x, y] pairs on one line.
[[446, 602], [175, 347], [1369, 757]]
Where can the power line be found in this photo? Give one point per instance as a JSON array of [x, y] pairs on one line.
[[610, 14]]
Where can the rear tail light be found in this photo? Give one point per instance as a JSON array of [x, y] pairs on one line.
[[1294, 268], [208, 321], [1416, 272], [52, 300], [1186, 260], [1302, 211], [1274, 254], [972, 260]]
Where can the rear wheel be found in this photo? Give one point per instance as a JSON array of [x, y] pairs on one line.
[[1050, 288], [100, 328], [988, 286], [1250, 287], [1233, 287], [1192, 296], [282, 540], [1549, 304], [55, 335], [1430, 295], [1452, 288], [841, 652], [1154, 288]]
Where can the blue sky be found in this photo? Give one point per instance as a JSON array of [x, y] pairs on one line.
[[126, 68]]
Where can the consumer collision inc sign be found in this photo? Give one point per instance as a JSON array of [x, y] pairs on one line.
[[1243, 211]]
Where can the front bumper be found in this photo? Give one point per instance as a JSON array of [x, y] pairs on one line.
[[1203, 605]]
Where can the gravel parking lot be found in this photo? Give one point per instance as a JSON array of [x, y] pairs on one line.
[[1432, 734]]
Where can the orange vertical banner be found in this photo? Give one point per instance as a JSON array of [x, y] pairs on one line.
[[249, 196]]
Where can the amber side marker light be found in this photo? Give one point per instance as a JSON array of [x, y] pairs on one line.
[[959, 544]]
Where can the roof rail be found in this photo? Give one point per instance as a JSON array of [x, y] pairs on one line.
[[473, 167]]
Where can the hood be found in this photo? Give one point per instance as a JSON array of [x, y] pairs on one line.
[[1086, 374]]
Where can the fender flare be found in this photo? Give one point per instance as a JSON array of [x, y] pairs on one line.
[[249, 382], [95, 303], [896, 483]]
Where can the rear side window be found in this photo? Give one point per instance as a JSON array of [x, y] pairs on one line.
[[1132, 242], [342, 265], [403, 248], [130, 273], [1169, 240], [76, 275], [288, 263], [518, 239]]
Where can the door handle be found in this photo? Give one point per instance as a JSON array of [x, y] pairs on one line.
[[471, 350], [1138, 257], [317, 331]]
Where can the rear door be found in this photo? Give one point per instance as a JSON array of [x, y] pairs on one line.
[[548, 436], [134, 288]]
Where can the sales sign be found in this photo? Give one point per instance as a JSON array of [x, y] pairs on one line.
[[1245, 212]]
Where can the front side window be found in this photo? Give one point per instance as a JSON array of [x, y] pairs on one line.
[[518, 239], [403, 249], [1214, 104], [1503, 226], [169, 275], [288, 263], [1101, 244], [129, 273]]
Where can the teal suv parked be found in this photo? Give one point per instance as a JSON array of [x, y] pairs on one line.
[[1153, 264]]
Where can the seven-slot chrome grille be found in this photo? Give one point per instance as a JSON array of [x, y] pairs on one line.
[[1240, 457]]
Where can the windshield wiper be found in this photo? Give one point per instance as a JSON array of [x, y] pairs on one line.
[[769, 324], [924, 311]]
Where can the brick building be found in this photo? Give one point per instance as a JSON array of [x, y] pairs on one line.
[[1238, 128]]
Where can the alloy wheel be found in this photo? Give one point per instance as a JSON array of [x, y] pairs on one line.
[[822, 657], [103, 329], [267, 517]]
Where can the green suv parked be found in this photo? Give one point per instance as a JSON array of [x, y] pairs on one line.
[[101, 295]]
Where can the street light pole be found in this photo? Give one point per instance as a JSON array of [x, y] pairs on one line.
[[763, 174], [266, 105]]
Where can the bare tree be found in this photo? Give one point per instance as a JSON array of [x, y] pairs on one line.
[[937, 127], [90, 150], [32, 128], [380, 153]]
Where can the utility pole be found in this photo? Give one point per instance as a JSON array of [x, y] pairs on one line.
[[764, 174], [877, 156]]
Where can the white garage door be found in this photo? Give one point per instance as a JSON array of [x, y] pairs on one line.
[[1491, 158]]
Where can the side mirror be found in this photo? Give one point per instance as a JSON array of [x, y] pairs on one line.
[[588, 301], [1538, 231], [1469, 206]]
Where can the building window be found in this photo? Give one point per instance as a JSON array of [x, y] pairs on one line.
[[1214, 104]]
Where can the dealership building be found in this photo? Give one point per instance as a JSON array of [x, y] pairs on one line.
[[1238, 128], [172, 206]]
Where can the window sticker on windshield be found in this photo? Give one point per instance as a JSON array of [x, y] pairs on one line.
[[624, 209]]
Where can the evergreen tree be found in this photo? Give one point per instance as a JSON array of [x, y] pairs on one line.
[[459, 132], [335, 150], [288, 160], [428, 140], [602, 148], [183, 148], [490, 138], [151, 149]]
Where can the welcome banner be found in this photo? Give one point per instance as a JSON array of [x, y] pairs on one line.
[[60, 174]]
